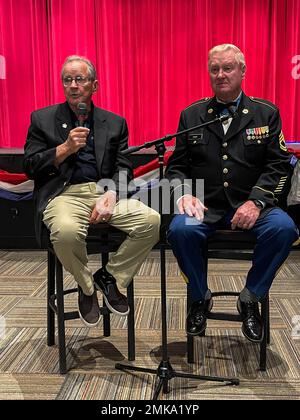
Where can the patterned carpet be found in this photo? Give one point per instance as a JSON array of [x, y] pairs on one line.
[[29, 369]]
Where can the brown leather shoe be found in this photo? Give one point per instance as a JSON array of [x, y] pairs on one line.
[[88, 308], [114, 299]]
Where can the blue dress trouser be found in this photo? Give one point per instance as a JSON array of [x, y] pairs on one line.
[[275, 234]]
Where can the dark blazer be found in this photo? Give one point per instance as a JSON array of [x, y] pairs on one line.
[[49, 128], [249, 162]]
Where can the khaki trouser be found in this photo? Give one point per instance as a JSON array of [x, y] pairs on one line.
[[67, 218]]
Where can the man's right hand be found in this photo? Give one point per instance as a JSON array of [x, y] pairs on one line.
[[192, 206], [75, 141]]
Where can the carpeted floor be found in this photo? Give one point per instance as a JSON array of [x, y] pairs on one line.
[[29, 369]]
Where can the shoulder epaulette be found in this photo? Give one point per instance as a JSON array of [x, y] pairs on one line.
[[200, 101], [263, 102]]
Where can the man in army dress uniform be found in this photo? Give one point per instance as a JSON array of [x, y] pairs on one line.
[[245, 166]]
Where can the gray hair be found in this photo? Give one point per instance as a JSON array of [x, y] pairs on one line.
[[91, 68], [239, 56]]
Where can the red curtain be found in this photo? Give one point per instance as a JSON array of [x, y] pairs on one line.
[[151, 56]]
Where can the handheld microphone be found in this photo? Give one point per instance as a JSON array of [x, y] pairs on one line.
[[82, 113]]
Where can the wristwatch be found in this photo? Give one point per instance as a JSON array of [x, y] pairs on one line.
[[259, 204]]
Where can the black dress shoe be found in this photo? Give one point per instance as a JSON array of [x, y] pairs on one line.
[[114, 299], [197, 316], [252, 327]]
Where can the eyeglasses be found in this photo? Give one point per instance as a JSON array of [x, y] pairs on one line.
[[79, 80]]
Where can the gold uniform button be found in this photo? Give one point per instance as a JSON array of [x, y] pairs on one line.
[[225, 184], [258, 142], [225, 157], [225, 144], [225, 171]]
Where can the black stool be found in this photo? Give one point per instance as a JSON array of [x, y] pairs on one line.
[[238, 245], [102, 239]]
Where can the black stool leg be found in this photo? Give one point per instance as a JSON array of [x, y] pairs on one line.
[[130, 320], [106, 321], [106, 317], [205, 265], [50, 292], [263, 344], [190, 339], [60, 317], [268, 318]]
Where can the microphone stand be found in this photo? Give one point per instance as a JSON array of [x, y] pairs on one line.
[[165, 371]]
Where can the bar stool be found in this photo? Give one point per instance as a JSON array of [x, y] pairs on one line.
[[237, 245], [102, 239]]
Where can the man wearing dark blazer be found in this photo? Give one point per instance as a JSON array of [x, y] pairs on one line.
[[80, 178], [245, 167]]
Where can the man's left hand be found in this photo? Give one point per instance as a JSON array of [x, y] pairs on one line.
[[245, 216], [104, 208]]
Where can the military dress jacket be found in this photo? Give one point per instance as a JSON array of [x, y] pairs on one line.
[[249, 162], [49, 128]]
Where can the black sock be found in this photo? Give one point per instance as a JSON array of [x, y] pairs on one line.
[[247, 296]]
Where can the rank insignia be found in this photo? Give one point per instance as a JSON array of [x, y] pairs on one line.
[[282, 142]]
